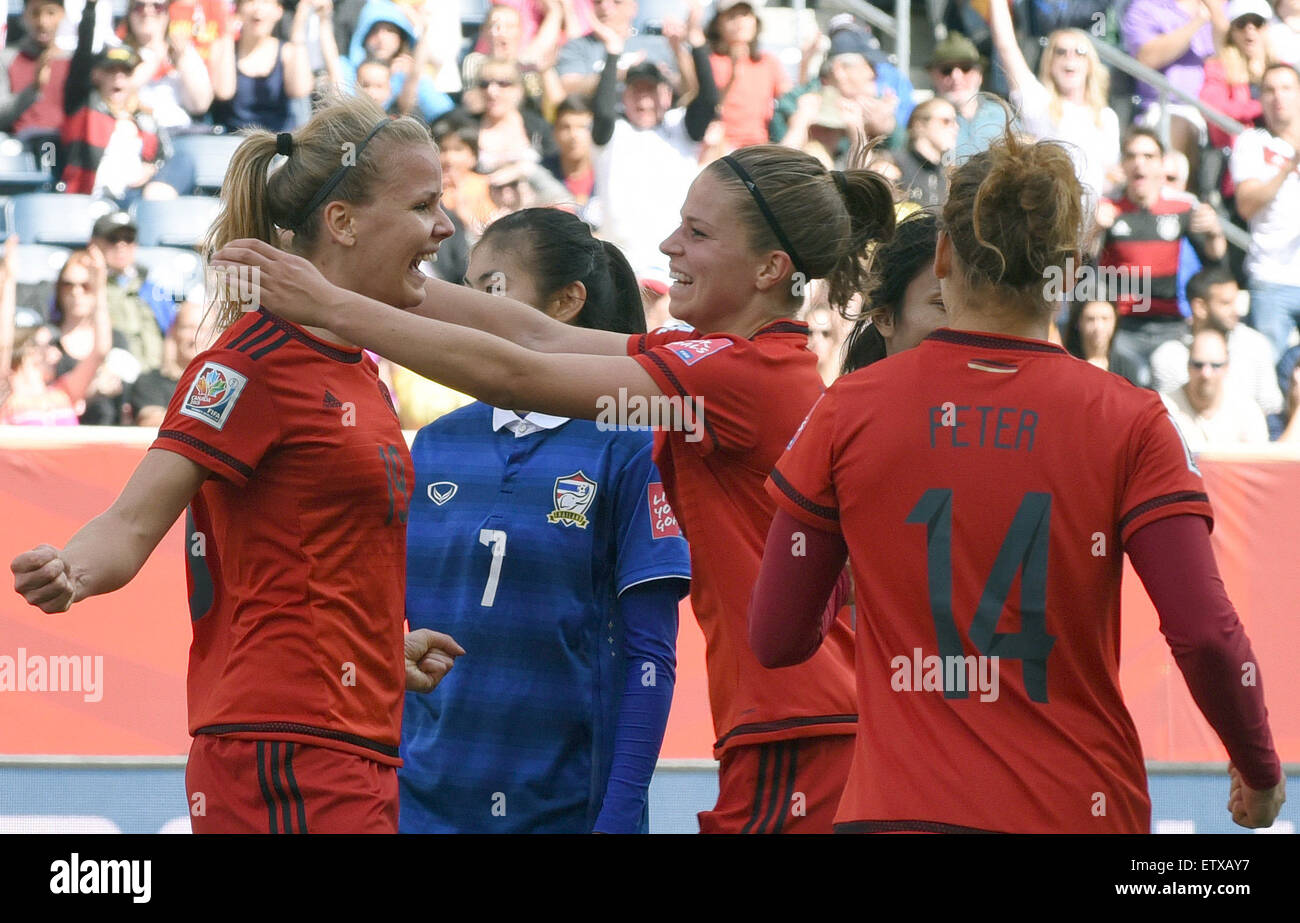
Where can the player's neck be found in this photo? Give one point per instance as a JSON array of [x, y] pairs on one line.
[[985, 316]]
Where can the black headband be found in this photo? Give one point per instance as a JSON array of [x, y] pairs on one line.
[[334, 180], [767, 212]]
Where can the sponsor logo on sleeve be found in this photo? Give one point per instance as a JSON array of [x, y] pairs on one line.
[[574, 494], [663, 522], [213, 394], [692, 351]]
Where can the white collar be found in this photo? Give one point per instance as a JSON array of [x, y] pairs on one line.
[[528, 423]]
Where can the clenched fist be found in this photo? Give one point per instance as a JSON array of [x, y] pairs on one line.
[[43, 578], [429, 657]]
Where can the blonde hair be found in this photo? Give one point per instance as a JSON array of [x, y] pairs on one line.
[[1236, 69], [1096, 86], [255, 206]]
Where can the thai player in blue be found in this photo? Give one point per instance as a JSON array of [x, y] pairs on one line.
[[547, 548]]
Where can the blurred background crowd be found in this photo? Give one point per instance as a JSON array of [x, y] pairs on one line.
[[118, 117]]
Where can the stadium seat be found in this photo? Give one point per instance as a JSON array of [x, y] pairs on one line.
[[179, 222], [211, 156], [171, 269], [18, 170], [56, 218]]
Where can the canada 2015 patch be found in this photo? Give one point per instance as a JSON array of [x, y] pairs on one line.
[[692, 351], [213, 394]]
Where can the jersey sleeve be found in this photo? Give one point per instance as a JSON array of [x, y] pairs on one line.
[[650, 542], [715, 381], [802, 483], [222, 415], [1163, 479], [1247, 160]]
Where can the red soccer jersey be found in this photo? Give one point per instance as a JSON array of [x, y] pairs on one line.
[[985, 486], [296, 546], [752, 394]]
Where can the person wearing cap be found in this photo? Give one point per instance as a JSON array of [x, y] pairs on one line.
[[647, 158], [33, 73], [139, 310], [931, 139], [956, 72], [749, 81], [1232, 77], [582, 59], [856, 69]]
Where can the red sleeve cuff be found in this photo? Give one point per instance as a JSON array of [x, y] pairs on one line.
[[220, 463], [789, 499]]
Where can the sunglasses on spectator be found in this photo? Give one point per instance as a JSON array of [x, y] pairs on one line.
[[947, 69], [1250, 19], [1201, 366], [496, 82], [116, 239], [1061, 51]]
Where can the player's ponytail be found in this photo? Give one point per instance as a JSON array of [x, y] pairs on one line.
[[869, 200], [556, 249]]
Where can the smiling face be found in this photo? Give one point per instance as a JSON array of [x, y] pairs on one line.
[[1144, 168], [113, 84], [402, 224], [712, 268], [1250, 34]]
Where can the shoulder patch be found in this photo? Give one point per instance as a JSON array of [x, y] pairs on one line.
[[663, 523], [213, 394], [692, 351]]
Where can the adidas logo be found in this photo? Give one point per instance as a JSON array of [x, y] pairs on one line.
[[332, 401]]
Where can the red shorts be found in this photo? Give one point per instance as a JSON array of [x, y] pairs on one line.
[[786, 786], [277, 786]]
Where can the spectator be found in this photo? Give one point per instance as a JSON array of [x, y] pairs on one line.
[[502, 36], [172, 80], [375, 80], [1233, 76], [749, 81], [582, 59], [572, 163], [1213, 295], [508, 132], [33, 73], [827, 330], [1175, 37], [32, 393], [647, 159], [1263, 165], [385, 33], [955, 71], [1285, 426], [1067, 100], [530, 22], [857, 71], [256, 77], [139, 310], [1144, 230], [1284, 32], [464, 191], [1090, 335], [150, 394], [81, 287], [204, 23], [823, 125], [1208, 411], [931, 140], [110, 143]]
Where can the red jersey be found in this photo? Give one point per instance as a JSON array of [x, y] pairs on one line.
[[296, 546], [752, 394], [985, 487]]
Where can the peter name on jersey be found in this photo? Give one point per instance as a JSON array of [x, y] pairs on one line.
[[966, 427]]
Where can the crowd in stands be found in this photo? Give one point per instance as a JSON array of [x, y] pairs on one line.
[[609, 108]]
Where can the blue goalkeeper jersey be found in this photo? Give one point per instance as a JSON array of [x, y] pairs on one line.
[[518, 546]]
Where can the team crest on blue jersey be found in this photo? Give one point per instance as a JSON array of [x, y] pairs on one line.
[[574, 494], [213, 394]]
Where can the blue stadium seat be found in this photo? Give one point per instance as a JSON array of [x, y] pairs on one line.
[[179, 222], [39, 263], [211, 155], [57, 218], [171, 269], [18, 170]]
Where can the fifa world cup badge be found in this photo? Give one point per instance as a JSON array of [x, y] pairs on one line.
[[574, 494]]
